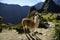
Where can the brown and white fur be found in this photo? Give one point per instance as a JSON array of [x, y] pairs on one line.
[[31, 24]]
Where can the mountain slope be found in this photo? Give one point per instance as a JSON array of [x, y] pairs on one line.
[[57, 2], [39, 5], [13, 13], [50, 6]]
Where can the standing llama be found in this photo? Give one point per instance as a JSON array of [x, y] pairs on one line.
[[31, 24]]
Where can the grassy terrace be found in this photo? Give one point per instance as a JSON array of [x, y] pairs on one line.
[[52, 18]]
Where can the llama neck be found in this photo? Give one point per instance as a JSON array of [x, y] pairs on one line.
[[36, 19]]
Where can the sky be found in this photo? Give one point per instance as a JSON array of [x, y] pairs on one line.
[[22, 2]]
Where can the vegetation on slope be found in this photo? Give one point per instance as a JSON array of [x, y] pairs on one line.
[[52, 18], [49, 17]]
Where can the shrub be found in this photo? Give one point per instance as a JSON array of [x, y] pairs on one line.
[[57, 33]]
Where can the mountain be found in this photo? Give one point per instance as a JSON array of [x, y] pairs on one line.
[[35, 8], [57, 2], [39, 5], [50, 6], [13, 13]]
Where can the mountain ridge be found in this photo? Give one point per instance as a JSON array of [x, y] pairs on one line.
[[50, 6], [13, 13]]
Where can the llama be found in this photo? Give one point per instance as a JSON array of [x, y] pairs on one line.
[[31, 24]]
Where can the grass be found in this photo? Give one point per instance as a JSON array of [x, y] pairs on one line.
[[57, 33], [18, 26], [52, 18]]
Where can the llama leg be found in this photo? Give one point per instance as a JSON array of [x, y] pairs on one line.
[[32, 31], [35, 31], [28, 31], [24, 29]]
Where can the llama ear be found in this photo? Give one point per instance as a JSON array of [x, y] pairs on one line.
[[36, 13], [40, 17]]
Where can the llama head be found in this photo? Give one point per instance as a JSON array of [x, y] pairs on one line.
[[38, 15]]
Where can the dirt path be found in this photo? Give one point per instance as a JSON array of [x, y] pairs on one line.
[[11, 35], [47, 34]]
